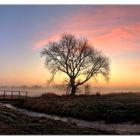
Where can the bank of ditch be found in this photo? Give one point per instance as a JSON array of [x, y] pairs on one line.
[[112, 108], [13, 122]]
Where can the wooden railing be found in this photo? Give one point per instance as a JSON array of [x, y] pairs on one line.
[[19, 94]]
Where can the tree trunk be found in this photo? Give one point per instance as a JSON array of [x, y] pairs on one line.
[[73, 90], [72, 86]]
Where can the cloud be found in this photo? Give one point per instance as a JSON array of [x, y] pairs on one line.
[[41, 43], [113, 29]]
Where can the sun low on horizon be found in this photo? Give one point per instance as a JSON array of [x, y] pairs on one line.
[[26, 29]]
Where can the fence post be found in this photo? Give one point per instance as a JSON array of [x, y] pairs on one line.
[[19, 95], [26, 94], [12, 94], [4, 94]]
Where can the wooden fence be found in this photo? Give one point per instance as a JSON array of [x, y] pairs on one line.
[[13, 94]]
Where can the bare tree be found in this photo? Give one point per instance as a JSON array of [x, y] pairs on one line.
[[77, 58], [86, 89]]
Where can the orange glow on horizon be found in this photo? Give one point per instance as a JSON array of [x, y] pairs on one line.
[[115, 30]]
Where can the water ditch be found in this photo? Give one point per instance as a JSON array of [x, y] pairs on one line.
[[124, 128]]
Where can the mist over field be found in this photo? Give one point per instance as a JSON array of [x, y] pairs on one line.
[[61, 90]]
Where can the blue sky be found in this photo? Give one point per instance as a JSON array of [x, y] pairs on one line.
[[25, 29]]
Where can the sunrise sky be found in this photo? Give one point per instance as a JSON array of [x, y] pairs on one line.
[[24, 30]]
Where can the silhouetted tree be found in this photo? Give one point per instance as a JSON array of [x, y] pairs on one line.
[[77, 58], [86, 89]]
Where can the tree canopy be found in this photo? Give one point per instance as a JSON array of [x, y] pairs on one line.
[[77, 58]]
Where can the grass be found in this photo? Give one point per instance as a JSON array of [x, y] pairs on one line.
[[112, 108], [16, 123]]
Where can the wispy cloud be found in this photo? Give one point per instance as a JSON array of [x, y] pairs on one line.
[[111, 28]]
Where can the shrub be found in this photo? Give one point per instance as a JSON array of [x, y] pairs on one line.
[[48, 95]]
